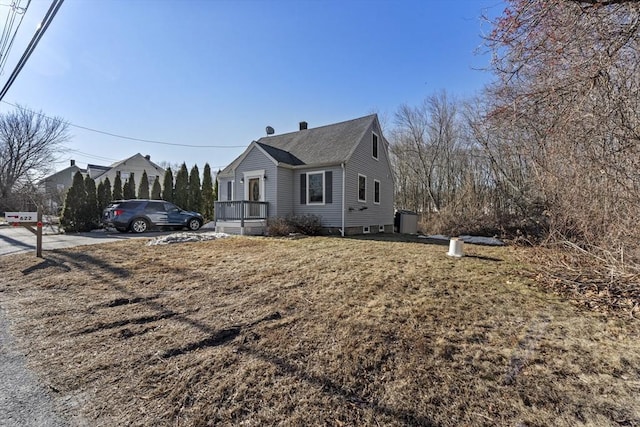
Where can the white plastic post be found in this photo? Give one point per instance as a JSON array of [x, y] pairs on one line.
[[455, 247]]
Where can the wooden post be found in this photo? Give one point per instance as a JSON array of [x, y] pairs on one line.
[[242, 207], [39, 235]]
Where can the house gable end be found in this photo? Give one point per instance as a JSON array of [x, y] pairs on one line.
[[230, 169]]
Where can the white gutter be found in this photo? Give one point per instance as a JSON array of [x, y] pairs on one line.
[[344, 172]]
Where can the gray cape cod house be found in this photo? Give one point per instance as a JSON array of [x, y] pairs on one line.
[[339, 172]]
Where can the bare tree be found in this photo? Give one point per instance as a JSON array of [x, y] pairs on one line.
[[566, 100], [28, 145]]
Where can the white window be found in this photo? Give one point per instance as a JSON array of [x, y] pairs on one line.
[[362, 188], [229, 190], [374, 146], [376, 191], [315, 188], [366, 229], [381, 228]]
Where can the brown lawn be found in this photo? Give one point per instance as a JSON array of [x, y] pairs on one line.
[[315, 331]]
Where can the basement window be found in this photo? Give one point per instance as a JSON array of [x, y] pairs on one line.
[[366, 229]]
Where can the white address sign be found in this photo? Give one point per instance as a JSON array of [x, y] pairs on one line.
[[21, 216]]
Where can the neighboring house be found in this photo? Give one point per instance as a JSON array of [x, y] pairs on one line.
[[133, 167], [339, 172], [56, 185]]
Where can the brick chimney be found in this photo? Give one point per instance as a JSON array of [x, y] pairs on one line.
[[303, 125], [73, 162]]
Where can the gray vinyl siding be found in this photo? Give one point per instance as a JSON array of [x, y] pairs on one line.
[[284, 206], [64, 177], [222, 189], [330, 213], [362, 162], [254, 160]]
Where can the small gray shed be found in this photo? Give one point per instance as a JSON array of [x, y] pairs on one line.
[[406, 222]]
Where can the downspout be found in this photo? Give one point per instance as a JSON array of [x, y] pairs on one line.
[[343, 197]]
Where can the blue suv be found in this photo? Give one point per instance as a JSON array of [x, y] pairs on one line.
[[139, 216]]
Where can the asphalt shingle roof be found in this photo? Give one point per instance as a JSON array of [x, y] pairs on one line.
[[281, 156], [322, 145]]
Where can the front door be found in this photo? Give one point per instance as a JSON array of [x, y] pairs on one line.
[[254, 196]]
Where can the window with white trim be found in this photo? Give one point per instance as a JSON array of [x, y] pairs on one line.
[[362, 188], [315, 188], [374, 146], [366, 229], [229, 190], [376, 191]]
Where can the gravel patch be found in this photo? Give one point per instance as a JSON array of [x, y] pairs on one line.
[[23, 399]]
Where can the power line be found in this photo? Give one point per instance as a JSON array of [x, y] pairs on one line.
[[130, 138], [51, 13], [7, 44], [91, 156]]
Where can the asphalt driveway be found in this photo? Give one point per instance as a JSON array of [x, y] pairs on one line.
[[14, 240]]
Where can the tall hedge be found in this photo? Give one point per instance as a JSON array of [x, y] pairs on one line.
[[143, 189], [156, 190], [181, 190], [167, 186], [117, 187], [72, 219], [90, 214], [195, 190], [207, 193], [129, 188], [104, 194]]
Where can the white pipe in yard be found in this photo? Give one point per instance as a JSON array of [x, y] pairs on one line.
[[455, 247]]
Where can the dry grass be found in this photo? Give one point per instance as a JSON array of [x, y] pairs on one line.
[[596, 278], [315, 331]]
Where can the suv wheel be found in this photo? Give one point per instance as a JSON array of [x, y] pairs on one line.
[[139, 225], [194, 224]]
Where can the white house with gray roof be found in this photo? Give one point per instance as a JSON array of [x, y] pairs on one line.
[[339, 172], [55, 186]]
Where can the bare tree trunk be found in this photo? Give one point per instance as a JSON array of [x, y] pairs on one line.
[[28, 145]]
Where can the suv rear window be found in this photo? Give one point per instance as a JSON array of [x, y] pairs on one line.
[[130, 205]]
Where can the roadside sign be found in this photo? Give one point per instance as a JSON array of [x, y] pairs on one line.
[[28, 220], [11, 217]]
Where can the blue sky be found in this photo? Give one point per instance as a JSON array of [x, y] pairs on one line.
[[213, 72]]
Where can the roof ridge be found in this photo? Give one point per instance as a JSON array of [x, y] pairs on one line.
[[316, 128]]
